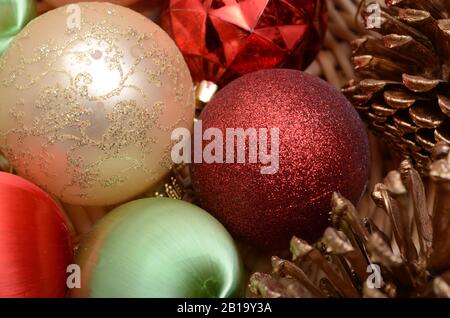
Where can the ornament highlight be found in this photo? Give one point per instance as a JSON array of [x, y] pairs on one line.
[[14, 15], [87, 113], [158, 247], [323, 148], [35, 241], [222, 40]]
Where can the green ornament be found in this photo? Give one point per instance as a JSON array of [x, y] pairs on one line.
[[14, 15], [159, 247]]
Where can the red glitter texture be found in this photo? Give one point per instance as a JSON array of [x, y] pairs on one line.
[[323, 148], [224, 39], [35, 241]]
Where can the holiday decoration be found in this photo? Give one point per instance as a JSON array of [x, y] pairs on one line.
[[14, 15], [87, 109], [221, 40], [402, 85], [35, 242], [410, 259], [282, 187], [158, 247]]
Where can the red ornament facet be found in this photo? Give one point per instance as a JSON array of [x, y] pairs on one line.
[[224, 39], [323, 149], [35, 241]]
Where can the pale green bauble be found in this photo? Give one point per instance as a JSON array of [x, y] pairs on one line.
[[159, 247]]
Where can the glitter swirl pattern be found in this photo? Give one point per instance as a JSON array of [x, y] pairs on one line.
[[87, 113]]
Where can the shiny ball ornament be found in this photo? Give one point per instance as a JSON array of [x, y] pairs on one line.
[[322, 148], [89, 98], [222, 40], [14, 15], [158, 247], [35, 241]]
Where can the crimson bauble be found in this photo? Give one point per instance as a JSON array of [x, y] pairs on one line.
[[323, 148], [35, 241], [221, 40]]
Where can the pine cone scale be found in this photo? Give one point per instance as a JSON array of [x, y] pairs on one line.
[[437, 8], [402, 88], [412, 254], [444, 104]]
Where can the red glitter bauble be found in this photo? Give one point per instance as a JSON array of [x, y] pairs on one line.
[[224, 39], [323, 148], [35, 241]]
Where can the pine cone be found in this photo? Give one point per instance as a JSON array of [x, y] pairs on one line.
[[402, 88], [408, 255]]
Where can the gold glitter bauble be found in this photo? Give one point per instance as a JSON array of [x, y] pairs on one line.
[[89, 99]]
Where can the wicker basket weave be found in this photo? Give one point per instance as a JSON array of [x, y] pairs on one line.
[[333, 62]]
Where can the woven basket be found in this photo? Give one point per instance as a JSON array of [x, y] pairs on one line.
[[333, 62]]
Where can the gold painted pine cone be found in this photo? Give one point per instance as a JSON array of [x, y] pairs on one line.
[[411, 252], [402, 69]]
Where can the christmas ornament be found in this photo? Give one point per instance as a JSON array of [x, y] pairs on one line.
[[402, 85], [88, 113], [35, 242], [354, 255], [14, 15], [221, 40], [158, 247], [321, 147]]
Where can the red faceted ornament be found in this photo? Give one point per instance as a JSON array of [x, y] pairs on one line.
[[35, 241], [224, 39], [322, 148]]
